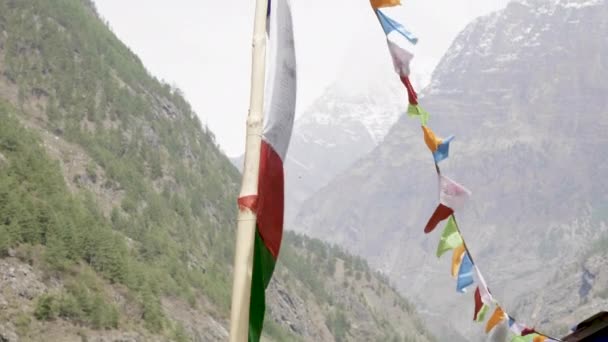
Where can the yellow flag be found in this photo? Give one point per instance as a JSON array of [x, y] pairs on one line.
[[496, 318], [385, 3], [431, 140], [457, 259]]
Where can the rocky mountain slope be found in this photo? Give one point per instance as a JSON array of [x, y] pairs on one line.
[[575, 292], [117, 210], [523, 90]]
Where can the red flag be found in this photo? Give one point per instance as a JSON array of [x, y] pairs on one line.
[[478, 303], [441, 213], [411, 93], [527, 331]]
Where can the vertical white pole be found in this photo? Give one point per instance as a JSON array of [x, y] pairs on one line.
[[245, 238]]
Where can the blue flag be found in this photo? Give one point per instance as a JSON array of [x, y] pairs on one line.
[[465, 274], [443, 150], [389, 25]]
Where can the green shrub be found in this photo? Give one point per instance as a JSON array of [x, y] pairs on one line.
[[82, 302], [179, 333], [338, 325], [46, 308], [5, 241]]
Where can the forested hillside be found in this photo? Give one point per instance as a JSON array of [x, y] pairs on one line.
[[117, 209]]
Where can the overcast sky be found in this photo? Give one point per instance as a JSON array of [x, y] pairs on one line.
[[204, 46]]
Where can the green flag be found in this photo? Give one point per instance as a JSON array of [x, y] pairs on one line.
[[481, 316], [450, 238], [416, 110]]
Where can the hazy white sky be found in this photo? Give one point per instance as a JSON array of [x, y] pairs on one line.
[[204, 46]]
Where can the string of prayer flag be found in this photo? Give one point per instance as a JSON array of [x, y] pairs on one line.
[[452, 195]]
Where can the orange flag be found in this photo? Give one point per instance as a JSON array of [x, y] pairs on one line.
[[539, 338], [431, 140], [385, 3], [457, 259], [496, 318]]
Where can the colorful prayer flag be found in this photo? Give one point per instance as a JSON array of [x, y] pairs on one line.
[[450, 238], [280, 112], [465, 273], [486, 296], [413, 109], [389, 25], [452, 194], [497, 317], [439, 147], [443, 150], [430, 139], [515, 327], [481, 316], [412, 97], [441, 213], [480, 307], [457, 259], [519, 339], [401, 58], [416, 110], [385, 3]]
